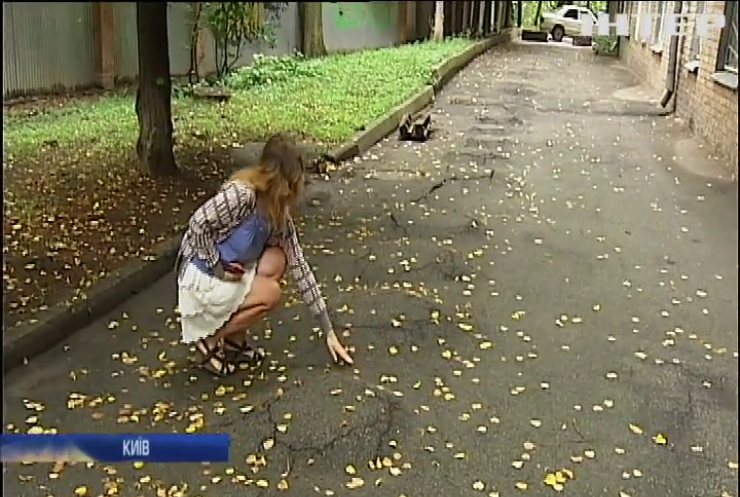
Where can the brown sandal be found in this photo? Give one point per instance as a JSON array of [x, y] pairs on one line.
[[214, 359], [241, 353]]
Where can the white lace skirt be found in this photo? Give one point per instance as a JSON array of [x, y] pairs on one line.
[[206, 302]]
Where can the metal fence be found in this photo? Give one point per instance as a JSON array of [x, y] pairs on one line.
[[50, 46]]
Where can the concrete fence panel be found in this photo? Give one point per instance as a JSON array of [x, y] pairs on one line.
[[51, 46], [358, 25]]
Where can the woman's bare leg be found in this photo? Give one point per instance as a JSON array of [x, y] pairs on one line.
[[263, 297], [261, 300]]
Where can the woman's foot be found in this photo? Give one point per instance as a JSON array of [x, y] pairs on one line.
[[214, 358], [239, 352]]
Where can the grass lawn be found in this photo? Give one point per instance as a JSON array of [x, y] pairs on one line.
[[75, 207]]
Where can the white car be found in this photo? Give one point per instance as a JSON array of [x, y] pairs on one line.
[[566, 21]]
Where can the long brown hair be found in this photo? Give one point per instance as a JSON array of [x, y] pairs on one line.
[[277, 178]]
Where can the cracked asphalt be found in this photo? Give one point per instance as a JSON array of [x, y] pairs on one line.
[[542, 287]]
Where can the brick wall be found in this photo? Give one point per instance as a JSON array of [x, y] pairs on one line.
[[709, 107]]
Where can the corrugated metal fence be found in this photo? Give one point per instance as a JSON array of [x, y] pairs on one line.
[[47, 46], [50, 46]]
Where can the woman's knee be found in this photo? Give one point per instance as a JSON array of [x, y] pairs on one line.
[[266, 291], [272, 263]]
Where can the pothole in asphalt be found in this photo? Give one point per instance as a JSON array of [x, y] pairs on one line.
[[486, 142], [351, 423], [490, 130], [391, 175], [479, 156], [469, 100], [517, 89], [501, 120]]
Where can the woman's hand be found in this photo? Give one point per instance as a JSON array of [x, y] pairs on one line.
[[336, 349]]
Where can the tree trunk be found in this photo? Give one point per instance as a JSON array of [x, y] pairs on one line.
[[538, 13], [612, 8], [465, 25], [438, 30], [312, 29], [458, 17], [449, 18], [475, 18], [487, 17], [403, 22], [519, 13], [153, 98]]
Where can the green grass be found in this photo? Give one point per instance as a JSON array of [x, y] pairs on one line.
[[329, 101]]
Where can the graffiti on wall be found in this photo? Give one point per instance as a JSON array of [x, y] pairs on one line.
[[348, 15]]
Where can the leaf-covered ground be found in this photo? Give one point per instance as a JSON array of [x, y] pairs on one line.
[[567, 326], [75, 207]]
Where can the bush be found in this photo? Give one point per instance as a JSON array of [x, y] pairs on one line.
[[606, 45], [268, 70]]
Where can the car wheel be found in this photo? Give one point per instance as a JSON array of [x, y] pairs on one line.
[[557, 33]]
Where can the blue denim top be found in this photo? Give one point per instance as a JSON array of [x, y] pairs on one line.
[[244, 244]]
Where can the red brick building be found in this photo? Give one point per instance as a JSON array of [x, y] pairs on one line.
[[706, 76]]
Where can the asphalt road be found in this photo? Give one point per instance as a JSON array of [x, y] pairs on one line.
[[575, 312]]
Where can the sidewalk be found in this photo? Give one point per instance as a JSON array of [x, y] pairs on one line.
[[575, 311]]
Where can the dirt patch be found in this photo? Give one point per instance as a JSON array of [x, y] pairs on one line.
[[65, 229], [39, 104]]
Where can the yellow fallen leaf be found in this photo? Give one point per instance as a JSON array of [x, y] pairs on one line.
[[350, 470], [283, 485], [479, 486], [521, 485], [81, 491], [550, 479], [660, 439], [355, 483], [635, 429]]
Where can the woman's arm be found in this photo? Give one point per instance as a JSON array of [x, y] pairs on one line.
[[304, 277], [212, 220]]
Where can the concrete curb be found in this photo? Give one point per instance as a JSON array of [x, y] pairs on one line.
[[385, 125], [63, 320]]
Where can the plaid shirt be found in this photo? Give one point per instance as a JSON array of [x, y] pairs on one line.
[[213, 221]]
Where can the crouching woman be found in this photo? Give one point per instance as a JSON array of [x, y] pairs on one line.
[[233, 256]]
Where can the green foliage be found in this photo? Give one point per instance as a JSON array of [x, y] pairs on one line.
[[233, 24], [266, 70], [328, 101], [606, 45]]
